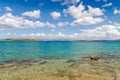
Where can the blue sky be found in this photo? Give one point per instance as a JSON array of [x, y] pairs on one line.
[[60, 19]]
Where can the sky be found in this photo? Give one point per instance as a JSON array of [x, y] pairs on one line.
[[60, 19]]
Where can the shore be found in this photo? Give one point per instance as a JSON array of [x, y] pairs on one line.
[[47, 68]]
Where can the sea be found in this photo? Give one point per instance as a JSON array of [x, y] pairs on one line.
[[58, 49]]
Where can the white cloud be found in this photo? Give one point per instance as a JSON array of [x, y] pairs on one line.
[[10, 21], [41, 4], [55, 15], [85, 17], [43, 36], [32, 14], [70, 2], [56, 0], [8, 34], [86, 21], [107, 5], [60, 24], [52, 29], [79, 12], [116, 11], [97, 0], [104, 32], [66, 2], [50, 25], [8, 8], [101, 0]]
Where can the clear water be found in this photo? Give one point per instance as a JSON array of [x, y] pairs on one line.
[[21, 50]]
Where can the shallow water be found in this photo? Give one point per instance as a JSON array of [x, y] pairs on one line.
[[59, 61], [21, 50]]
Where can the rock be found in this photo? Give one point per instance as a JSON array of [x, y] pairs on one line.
[[110, 57], [50, 58], [70, 61], [42, 62], [95, 58]]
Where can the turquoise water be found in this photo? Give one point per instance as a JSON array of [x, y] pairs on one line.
[[21, 50]]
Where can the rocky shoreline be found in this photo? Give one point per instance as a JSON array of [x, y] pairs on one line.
[[49, 68]]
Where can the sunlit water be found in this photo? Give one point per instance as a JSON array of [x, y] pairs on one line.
[[22, 50]]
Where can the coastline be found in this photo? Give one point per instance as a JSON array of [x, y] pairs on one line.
[[39, 40], [46, 68]]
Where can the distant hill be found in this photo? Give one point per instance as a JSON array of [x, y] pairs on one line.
[[96, 40], [38, 40], [21, 40]]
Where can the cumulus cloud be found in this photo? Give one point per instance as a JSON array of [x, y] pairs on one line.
[[50, 25], [107, 5], [32, 14], [55, 15], [60, 24], [56, 0], [86, 21], [85, 17], [7, 8], [104, 32], [101, 0], [8, 34], [116, 11], [43, 36], [66, 2], [70, 2], [10, 21]]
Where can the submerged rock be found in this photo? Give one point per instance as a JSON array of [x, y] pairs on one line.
[[18, 62], [43, 62], [110, 57], [50, 58], [70, 61]]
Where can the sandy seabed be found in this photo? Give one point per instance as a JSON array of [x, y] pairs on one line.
[[108, 68]]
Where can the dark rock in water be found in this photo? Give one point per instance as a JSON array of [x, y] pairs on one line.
[[19, 62], [70, 61], [49, 58], [110, 57], [42, 62], [95, 58], [87, 58]]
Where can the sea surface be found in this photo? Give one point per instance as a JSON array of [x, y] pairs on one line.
[[23, 50]]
